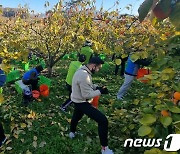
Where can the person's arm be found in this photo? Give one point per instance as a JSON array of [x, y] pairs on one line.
[[95, 86], [33, 76], [144, 62], [86, 87]]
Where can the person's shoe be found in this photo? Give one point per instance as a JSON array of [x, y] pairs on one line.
[[3, 141], [72, 135], [63, 109], [107, 151], [120, 98]]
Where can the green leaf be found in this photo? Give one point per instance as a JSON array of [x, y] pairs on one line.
[[166, 121], [148, 110], [175, 117], [165, 77], [135, 57], [153, 151], [174, 109], [148, 119], [144, 9], [144, 130], [161, 107], [176, 88]]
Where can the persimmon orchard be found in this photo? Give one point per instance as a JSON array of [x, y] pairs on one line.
[[153, 112]]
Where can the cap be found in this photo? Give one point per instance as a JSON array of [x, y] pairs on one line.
[[96, 60]]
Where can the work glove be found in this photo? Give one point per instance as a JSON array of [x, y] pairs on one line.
[[103, 90]]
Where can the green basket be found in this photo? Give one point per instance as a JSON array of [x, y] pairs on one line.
[[44, 80], [1, 90], [25, 66], [73, 55], [13, 75], [65, 57], [42, 62]]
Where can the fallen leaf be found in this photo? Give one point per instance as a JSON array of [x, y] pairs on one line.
[[9, 148], [23, 125], [7, 142], [22, 140], [28, 152], [42, 144], [35, 138], [35, 144]]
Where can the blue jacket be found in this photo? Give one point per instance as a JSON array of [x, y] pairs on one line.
[[2, 78], [131, 68], [27, 75]]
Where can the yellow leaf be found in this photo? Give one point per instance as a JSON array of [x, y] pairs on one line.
[[165, 77], [135, 57], [168, 70], [124, 55], [144, 55], [5, 50], [163, 37], [160, 95], [23, 125], [32, 115], [136, 102], [1, 99], [69, 120], [177, 33], [118, 61], [15, 135], [158, 101], [118, 48]]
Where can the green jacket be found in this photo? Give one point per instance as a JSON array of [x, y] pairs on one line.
[[72, 69], [87, 51]]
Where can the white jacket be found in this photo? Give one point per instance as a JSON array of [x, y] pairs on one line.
[[83, 90]]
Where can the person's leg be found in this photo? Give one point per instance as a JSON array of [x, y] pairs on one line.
[[116, 69], [122, 68], [2, 135], [126, 85], [77, 115], [34, 84], [68, 101], [100, 118]]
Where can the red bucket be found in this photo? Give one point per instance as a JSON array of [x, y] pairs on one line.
[[35, 94], [95, 101], [44, 90], [141, 73]]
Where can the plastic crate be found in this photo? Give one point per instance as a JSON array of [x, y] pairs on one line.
[[44, 80], [25, 66], [13, 75], [42, 62], [19, 86]]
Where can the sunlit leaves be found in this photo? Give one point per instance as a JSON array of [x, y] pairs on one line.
[[166, 121], [144, 130], [1, 98], [148, 119]]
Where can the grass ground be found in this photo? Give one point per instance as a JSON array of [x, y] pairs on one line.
[[41, 128]]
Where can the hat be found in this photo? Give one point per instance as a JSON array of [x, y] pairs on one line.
[[96, 60]]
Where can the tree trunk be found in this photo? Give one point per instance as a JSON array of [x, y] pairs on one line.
[[49, 71]]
